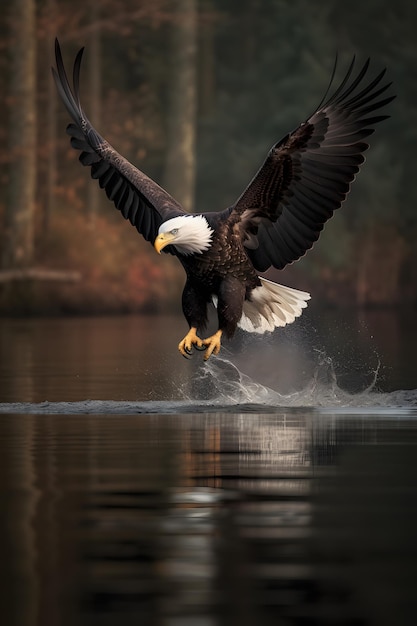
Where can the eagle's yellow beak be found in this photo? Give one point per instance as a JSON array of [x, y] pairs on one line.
[[164, 239]]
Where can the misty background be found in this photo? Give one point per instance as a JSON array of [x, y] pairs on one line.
[[194, 93]]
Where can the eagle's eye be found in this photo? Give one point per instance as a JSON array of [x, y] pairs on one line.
[[174, 231]]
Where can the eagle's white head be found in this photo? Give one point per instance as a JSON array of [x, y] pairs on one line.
[[190, 234]]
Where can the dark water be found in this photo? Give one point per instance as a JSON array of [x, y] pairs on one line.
[[136, 358], [298, 517], [276, 485]]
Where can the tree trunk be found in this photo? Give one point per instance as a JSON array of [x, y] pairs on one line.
[[378, 280], [206, 66], [179, 175], [94, 70], [18, 246], [52, 135]]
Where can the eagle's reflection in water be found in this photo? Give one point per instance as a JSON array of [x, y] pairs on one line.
[[294, 517]]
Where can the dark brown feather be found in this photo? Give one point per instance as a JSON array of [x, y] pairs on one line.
[[138, 197], [308, 174]]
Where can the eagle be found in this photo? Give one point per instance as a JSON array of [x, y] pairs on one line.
[[306, 176]]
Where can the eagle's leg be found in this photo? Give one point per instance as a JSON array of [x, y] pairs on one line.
[[194, 306], [229, 310], [191, 339], [213, 344]]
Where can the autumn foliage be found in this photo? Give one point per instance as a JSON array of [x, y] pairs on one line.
[[117, 271]]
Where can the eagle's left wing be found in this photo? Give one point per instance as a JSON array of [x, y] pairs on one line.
[[140, 199], [308, 174]]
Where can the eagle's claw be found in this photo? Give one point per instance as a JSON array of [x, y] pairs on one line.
[[186, 345], [211, 345]]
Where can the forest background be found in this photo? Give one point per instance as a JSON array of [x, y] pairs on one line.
[[194, 93]]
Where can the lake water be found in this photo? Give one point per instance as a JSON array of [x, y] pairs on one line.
[[274, 485]]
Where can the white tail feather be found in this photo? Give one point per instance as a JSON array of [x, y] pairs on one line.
[[271, 306]]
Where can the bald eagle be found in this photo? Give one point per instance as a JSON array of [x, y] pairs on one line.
[[306, 176]]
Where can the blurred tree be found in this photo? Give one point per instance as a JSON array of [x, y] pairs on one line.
[[206, 58], [179, 176], [18, 237], [94, 75], [51, 134]]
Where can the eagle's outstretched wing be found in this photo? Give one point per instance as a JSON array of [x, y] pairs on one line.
[[138, 198], [308, 174]]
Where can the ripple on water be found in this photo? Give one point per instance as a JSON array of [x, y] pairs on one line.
[[219, 386]]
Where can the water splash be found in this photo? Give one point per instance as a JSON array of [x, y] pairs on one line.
[[219, 386], [221, 382]]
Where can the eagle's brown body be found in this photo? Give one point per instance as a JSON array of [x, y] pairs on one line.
[[224, 271]]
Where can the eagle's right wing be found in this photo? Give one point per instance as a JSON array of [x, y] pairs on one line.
[[308, 174], [138, 197]]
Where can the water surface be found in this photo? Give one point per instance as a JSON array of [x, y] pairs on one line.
[[135, 358], [296, 517], [274, 485]]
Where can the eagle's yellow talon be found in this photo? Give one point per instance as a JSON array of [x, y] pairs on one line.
[[191, 339], [213, 344]]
